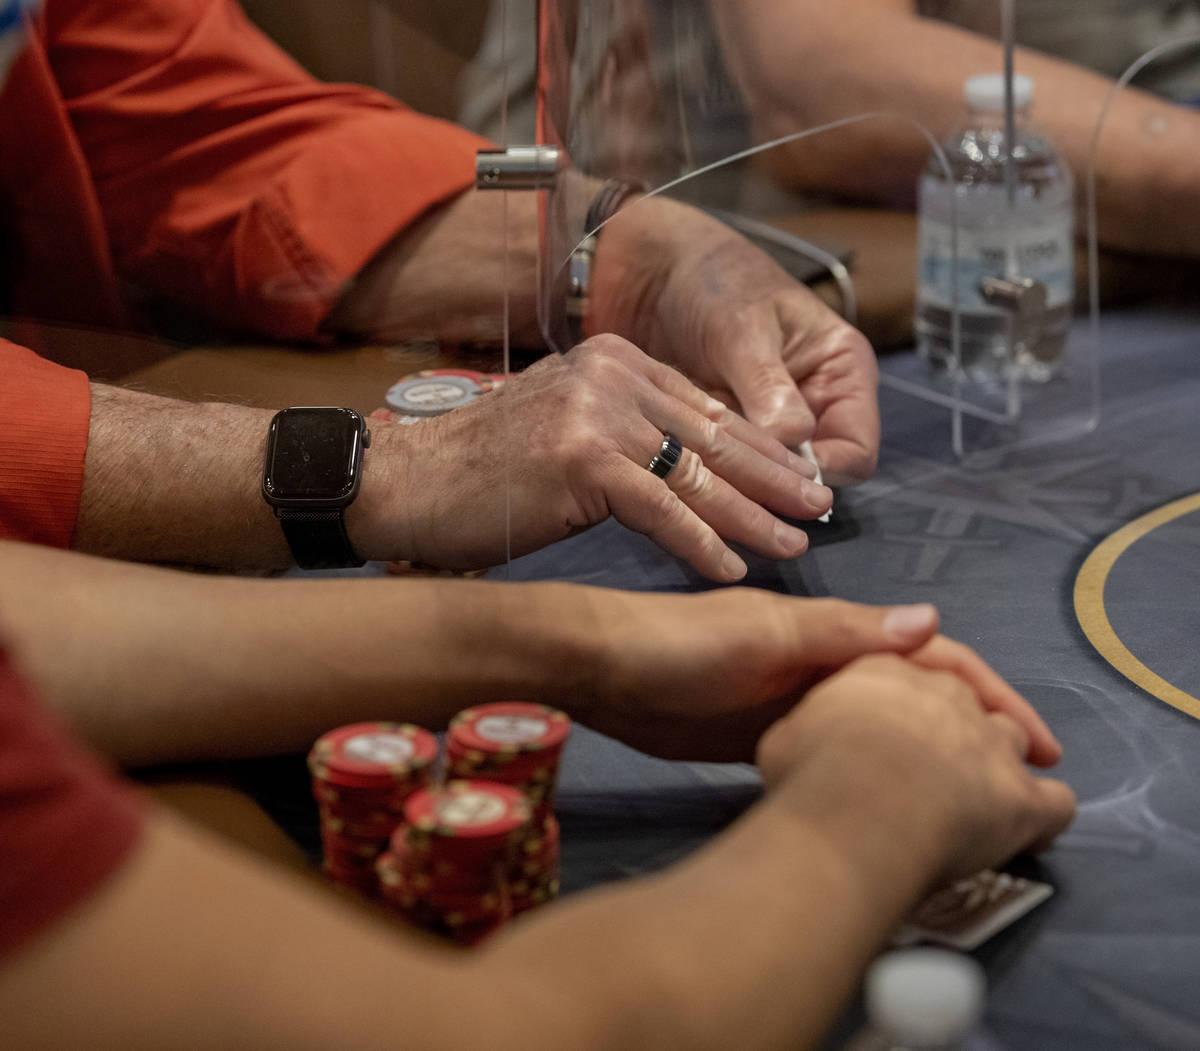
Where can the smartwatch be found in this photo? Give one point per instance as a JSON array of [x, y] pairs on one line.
[[311, 475]]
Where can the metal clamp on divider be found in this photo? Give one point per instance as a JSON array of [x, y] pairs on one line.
[[517, 168], [1024, 299]]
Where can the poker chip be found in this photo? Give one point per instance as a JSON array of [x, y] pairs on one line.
[[372, 755], [461, 859], [533, 877], [468, 813], [434, 392], [362, 775], [516, 743], [447, 867], [509, 728]]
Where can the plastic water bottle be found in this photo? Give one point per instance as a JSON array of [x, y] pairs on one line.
[[923, 1000], [1031, 238]]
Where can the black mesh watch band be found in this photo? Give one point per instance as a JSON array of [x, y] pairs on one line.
[[318, 539]]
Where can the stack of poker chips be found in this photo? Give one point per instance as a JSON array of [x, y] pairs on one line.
[[447, 867], [517, 744], [362, 776]]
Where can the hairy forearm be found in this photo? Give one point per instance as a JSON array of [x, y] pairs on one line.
[[794, 69], [172, 481], [202, 667], [178, 482], [446, 276]]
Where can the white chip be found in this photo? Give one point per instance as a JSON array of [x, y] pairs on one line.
[[387, 748], [511, 729], [432, 395]]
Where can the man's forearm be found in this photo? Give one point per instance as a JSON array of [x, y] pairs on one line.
[[180, 483], [203, 667], [447, 274], [789, 58]]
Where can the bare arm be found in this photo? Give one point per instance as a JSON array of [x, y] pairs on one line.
[[223, 952], [202, 667], [169, 481], [447, 274], [803, 63], [180, 482]]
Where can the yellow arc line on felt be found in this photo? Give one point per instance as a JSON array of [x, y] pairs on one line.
[[1091, 614]]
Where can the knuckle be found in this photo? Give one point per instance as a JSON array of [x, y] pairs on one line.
[[690, 477]]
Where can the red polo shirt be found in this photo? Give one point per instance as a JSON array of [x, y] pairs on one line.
[[65, 824]]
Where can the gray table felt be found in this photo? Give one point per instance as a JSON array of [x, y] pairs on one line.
[[1113, 959]]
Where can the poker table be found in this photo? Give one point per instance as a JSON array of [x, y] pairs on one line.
[[1074, 569]]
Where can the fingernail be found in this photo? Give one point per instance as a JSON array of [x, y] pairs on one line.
[[733, 567], [790, 538], [908, 622], [820, 495]]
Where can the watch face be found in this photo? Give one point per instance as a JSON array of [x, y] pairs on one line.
[[313, 456]]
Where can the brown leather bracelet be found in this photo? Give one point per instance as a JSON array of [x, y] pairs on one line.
[[607, 202]]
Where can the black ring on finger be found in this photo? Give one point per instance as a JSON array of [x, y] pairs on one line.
[[666, 458]]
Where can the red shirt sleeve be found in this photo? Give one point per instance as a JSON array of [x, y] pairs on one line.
[[44, 415], [229, 179], [65, 825]]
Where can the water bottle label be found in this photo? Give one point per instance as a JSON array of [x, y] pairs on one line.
[[1043, 252]]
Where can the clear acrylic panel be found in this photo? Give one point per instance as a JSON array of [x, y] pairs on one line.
[[666, 94]]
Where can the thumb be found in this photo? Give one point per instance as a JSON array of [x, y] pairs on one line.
[[833, 632]]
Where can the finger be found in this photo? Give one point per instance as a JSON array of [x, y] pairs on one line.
[[1056, 806], [830, 633], [838, 376], [761, 479], [718, 504], [731, 514], [994, 694], [767, 392], [1012, 732], [846, 438], [675, 384], [640, 501]]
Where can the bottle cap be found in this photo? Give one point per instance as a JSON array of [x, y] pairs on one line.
[[986, 92], [925, 996]]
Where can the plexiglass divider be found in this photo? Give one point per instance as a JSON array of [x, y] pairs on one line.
[[619, 97]]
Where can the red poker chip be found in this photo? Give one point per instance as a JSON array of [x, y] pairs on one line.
[[539, 895], [509, 767], [351, 829], [430, 867], [346, 801], [466, 812], [349, 862], [372, 755], [486, 380], [508, 727], [543, 839]]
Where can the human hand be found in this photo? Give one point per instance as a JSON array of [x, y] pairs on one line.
[[695, 294], [702, 676], [887, 751], [566, 443]]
